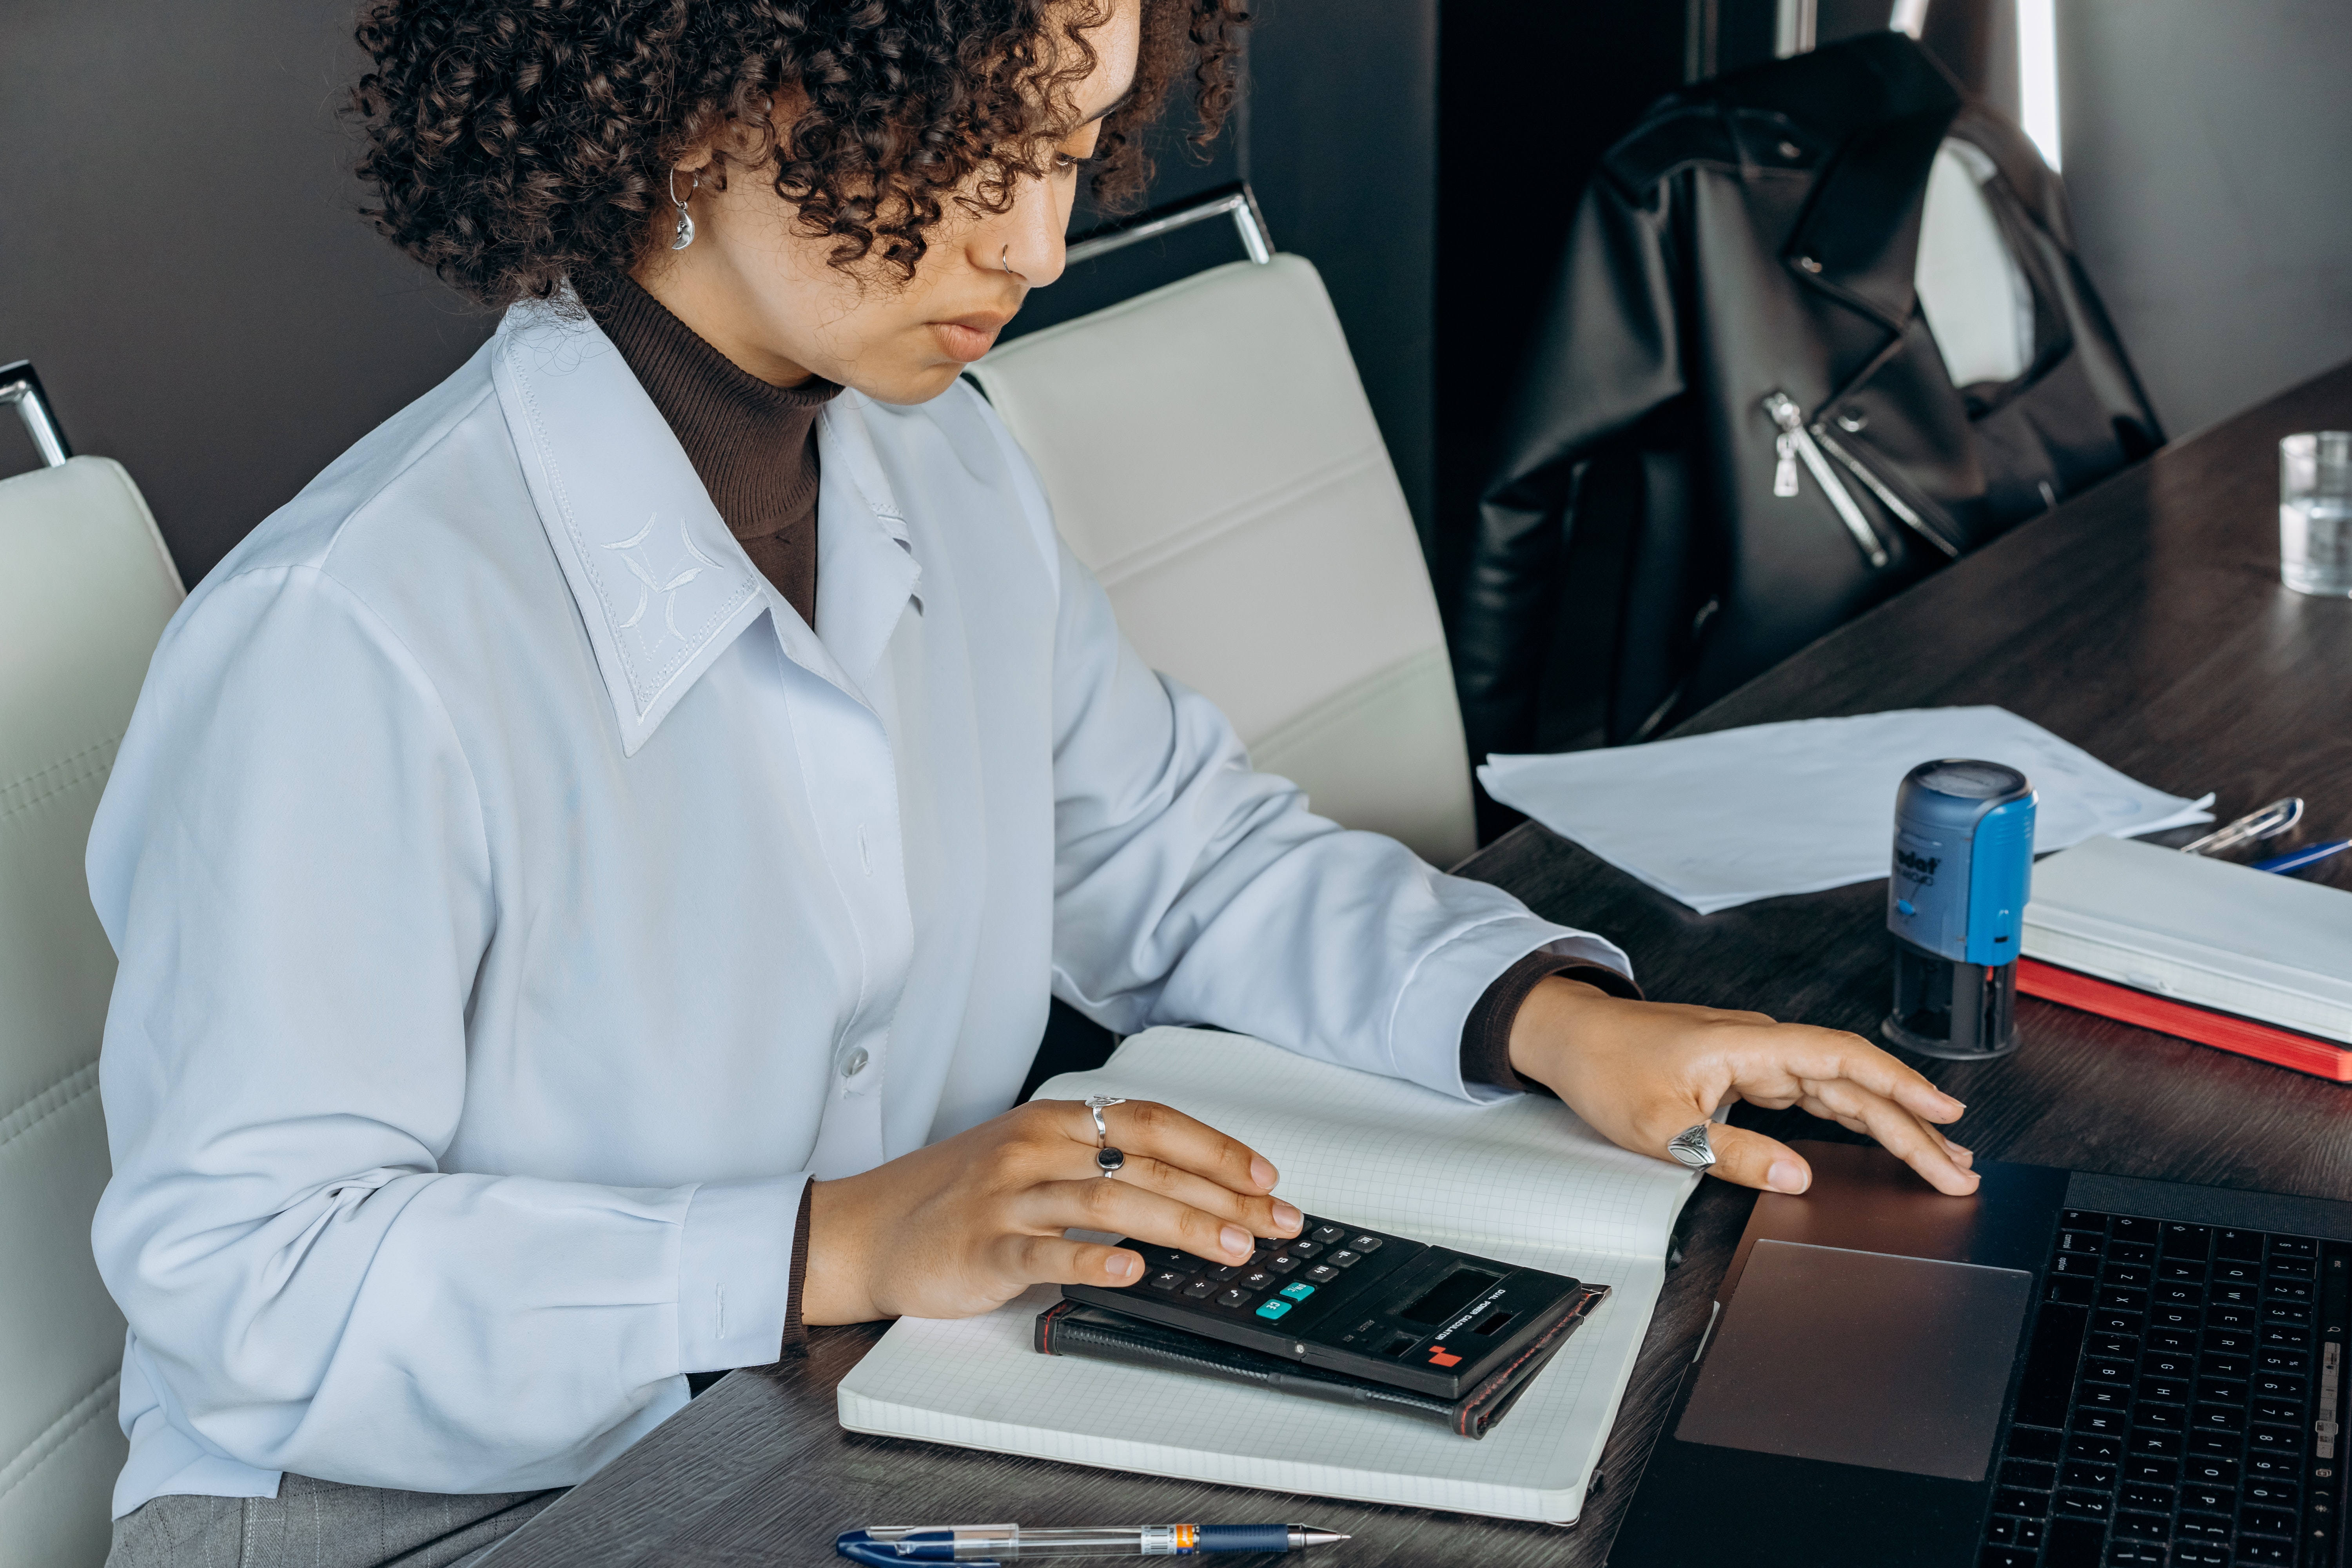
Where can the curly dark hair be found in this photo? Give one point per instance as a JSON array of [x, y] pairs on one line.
[[517, 144]]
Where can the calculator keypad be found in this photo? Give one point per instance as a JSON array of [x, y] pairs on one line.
[[1279, 1276]]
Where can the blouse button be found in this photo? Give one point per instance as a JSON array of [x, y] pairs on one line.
[[854, 1063]]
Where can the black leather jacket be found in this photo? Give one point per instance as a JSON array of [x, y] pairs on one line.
[[1737, 318]]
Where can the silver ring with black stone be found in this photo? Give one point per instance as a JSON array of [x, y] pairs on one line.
[[1690, 1146]]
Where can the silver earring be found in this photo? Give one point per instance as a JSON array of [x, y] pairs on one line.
[[684, 235], [1005, 261]]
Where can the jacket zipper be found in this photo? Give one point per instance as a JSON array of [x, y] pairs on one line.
[[1795, 441], [1885, 494]]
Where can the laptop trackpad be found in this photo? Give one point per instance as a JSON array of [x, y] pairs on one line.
[[1862, 1358]]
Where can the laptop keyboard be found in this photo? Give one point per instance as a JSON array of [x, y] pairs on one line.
[[2180, 1401]]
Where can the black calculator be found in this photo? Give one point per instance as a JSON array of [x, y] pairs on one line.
[[1357, 1302]]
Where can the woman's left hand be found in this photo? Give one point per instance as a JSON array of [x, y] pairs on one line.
[[1640, 1072]]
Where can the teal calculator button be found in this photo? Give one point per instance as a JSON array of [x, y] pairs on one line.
[[1299, 1292], [1273, 1309]]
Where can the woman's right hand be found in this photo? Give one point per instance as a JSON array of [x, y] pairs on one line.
[[966, 1224]]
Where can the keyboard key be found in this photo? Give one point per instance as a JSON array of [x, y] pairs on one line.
[[2170, 1390], [2154, 1499], [2188, 1241], [1327, 1234], [2032, 1476], [2142, 1527], [2073, 1292], [2135, 1554], [1233, 1298], [1322, 1272], [2204, 1526], [2172, 1339], [2153, 1472], [1166, 1279], [1306, 1248], [2200, 1556], [2219, 1419], [2075, 1543], [2272, 1494], [2219, 1365], [2168, 1363], [2131, 1252], [2123, 1273], [2163, 1445], [2025, 1504], [2293, 1247], [2113, 1347], [1256, 1280], [2035, 1443], [2106, 1322], [2116, 1298], [2240, 1244], [2082, 1241], [2131, 1227], [2220, 1391], [2226, 1272], [2266, 1553], [2229, 1317], [2098, 1396], [1282, 1264], [2293, 1268], [2075, 1265], [1343, 1259], [1223, 1271], [2285, 1411], [1366, 1242], [2160, 1418], [2180, 1295], [2092, 1477], [2210, 1469], [2222, 1445], [1298, 1290], [2084, 1504], [2111, 1372], [2225, 1341], [2266, 1467], [2103, 1446], [2275, 1440], [1197, 1288], [2286, 1313], [2208, 1500], [2168, 1317], [2181, 1271], [2005, 1557], [2105, 1423], [2266, 1522], [2286, 1290], [1274, 1307]]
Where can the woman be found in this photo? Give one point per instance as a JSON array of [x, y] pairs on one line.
[[588, 873]]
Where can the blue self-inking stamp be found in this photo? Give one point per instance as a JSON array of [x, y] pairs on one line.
[[1956, 903]]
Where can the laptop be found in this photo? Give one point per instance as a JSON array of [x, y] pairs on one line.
[[2062, 1371]]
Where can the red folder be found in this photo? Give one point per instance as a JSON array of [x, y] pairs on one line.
[[2265, 1042]]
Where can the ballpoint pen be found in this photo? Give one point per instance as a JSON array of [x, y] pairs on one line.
[[979, 1545], [2309, 855]]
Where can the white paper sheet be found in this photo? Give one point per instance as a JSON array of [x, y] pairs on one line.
[[1718, 820]]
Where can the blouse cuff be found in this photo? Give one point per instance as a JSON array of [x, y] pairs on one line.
[[1486, 1035]]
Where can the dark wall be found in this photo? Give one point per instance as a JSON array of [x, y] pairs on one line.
[[2206, 149], [185, 265]]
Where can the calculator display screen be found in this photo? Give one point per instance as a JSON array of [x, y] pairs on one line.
[[1448, 1296]]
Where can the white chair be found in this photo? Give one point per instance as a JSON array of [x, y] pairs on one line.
[[86, 587], [1211, 457]]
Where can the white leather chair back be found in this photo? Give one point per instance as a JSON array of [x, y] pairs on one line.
[[1211, 457], [1971, 288], [84, 588]]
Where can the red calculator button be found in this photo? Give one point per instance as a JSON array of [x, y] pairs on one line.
[[1439, 1356]]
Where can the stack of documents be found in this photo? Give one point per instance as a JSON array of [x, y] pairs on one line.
[[1724, 819], [2202, 932]]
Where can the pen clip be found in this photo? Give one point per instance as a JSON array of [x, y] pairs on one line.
[[2268, 823]]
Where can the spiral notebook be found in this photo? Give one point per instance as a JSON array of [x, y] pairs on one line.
[[1520, 1179]]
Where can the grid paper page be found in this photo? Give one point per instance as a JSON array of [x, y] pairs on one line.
[[1523, 1179], [1497, 1177]]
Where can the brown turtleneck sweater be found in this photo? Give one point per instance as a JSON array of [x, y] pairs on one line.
[[754, 445]]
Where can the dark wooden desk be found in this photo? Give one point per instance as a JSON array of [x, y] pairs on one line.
[[2143, 621]]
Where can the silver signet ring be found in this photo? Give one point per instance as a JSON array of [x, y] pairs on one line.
[[1096, 1105], [1691, 1147], [1109, 1161]]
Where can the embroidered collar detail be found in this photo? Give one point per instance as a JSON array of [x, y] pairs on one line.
[[662, 588]]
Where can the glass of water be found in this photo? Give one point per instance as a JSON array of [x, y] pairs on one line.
[[2315, 512]]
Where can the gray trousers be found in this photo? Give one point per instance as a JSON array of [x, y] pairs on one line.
[[320, 1524]]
